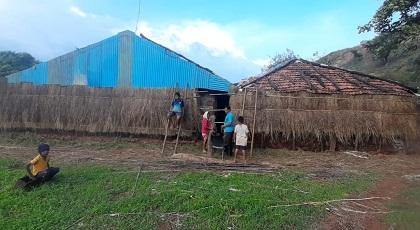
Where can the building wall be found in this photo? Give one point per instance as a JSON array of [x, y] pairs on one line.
[[123, 61]]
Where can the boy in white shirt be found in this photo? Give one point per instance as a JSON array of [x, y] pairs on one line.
[[241, 137]]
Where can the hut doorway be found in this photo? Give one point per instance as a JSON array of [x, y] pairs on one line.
[[215, 102]]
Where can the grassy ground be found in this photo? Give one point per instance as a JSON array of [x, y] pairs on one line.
[[406, 210], [94, 197]]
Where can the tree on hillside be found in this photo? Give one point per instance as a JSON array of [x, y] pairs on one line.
[[398, 23], [280, 58], [11, 62]]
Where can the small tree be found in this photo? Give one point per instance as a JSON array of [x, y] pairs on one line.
[[280, 58], [397, 22]]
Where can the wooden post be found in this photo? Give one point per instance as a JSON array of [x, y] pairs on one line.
[[293, 141], [166, 131], [333, 142], [196, 114], [166, 136], [210, 144], [356, 143], [253, 123], [243, 103], [177, 138]]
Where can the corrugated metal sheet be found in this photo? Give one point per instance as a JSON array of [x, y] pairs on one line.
[[155, 66], [37, 74], [125, 66], [124, 60]]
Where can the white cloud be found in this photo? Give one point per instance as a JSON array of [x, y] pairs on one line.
[[50, 28], [262, 61], [207, 43], [77, 11]]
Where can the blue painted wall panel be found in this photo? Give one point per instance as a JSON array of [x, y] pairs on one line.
[[36, 75], [157, 67], [124, 60]]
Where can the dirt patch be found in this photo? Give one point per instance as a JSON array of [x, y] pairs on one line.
[[171, 221], [119, 195]]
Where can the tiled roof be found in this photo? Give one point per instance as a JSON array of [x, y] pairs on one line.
[[300, 75]]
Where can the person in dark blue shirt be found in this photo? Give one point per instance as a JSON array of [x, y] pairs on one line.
[[177, 109]]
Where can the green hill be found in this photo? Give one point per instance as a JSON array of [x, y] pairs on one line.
[[11, 62], [403, 65]]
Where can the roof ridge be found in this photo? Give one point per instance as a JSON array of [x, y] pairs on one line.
[[357, 72], [272, 70]]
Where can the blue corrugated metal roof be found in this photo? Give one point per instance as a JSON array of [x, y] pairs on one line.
[[124, 60]]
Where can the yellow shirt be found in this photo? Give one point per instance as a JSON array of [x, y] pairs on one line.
[[39, 164]]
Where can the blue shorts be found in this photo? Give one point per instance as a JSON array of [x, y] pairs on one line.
[[173, 114]]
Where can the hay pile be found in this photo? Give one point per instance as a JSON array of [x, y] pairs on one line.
[[351, 119], [95, 110]]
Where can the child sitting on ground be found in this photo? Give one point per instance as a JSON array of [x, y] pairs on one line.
[[241, 137], [39, 170]]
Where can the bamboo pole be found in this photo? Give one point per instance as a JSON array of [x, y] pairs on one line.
[[166, 131], [243, 103], [166, 137], [177, 138], [253, 123]]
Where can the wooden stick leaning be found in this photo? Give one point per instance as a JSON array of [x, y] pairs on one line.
[[253, 123]]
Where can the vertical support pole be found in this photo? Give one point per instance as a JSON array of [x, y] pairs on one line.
[[293, 141], [166, 132], [210, 144], [243, 103], [196, 114], [177, 138], [356, 143], [253, 123], [333, 142], [166, 137]]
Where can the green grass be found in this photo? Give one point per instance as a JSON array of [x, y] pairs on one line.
[[406, 210], [204, 200]]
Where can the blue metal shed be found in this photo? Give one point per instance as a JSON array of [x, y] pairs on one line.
[[126, 61]]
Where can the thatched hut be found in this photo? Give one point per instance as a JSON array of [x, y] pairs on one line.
[[302, 102]]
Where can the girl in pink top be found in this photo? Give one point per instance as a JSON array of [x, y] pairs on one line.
[[205, 129]]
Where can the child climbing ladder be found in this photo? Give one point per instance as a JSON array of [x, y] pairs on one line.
[[177, 111]]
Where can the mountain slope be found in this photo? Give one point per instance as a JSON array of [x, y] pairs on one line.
[[11, 62], [403, 65]]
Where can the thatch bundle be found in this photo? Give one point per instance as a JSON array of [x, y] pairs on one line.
[[352, 119], [97, 110]]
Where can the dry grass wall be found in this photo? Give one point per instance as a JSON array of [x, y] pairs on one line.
[[95, 110], [351, 119]]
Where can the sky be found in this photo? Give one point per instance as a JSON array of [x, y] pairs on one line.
[[234, 38]]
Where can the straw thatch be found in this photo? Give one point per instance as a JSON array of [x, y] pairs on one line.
[[96, 110], [351, 119]]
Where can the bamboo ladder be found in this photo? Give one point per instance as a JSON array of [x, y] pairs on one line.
[[177, 133]]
